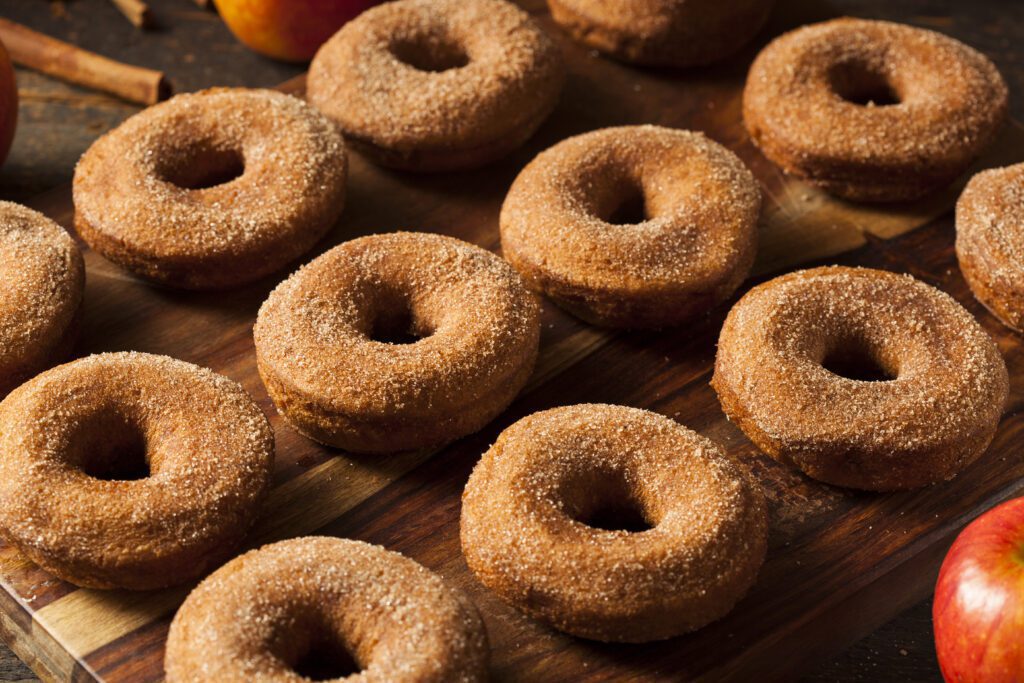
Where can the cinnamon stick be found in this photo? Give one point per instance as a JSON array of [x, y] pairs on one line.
[[65, 61], [136, 11]]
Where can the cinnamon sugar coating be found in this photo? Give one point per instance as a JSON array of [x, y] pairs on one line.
[[258, 616], [437, 84], [686, 249], [66, 438], [527, 503], [990, 241], [934, 412], [873, 110], [43, 278], [325, 351], [677, 33], [212, 189]]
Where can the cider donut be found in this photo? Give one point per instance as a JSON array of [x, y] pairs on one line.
[[43, 279], [263, 615], [532, 530], [433, 85], [397, 341], [795, 364], [677, 33], [990, 241], [211, 189], [872, 110], [636, 226], [128, 470]]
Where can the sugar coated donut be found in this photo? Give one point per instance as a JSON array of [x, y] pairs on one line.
[[663, 32], [211, 189], [275, 613], [860, 377], [546, 523], [872, 110], [431, 85], [397, 341], [130, 470], [637, 226], [43, 278], [990, 241]]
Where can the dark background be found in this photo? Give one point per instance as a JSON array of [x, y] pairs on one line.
[[57, 122]]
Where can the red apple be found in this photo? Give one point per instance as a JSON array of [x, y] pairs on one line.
[[291, 30], [979, 600], [8, 103]]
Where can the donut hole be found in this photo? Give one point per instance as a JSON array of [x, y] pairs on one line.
[[618, 516], [430, 54], [630, 211], [325, 659], [625, 204], [201, 166], [395, 322], [863, 84], [608, 191], [111, 448], [314, 650], [606, 501], [860, 362]]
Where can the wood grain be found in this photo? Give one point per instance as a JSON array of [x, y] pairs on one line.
[[840, 562]]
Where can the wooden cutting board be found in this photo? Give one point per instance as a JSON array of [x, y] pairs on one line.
[[840, 563]]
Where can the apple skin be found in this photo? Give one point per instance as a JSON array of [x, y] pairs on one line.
[[8, 103], [979, 600], [290, 30]]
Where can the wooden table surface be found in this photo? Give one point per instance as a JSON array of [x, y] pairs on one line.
[[57, 122]]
